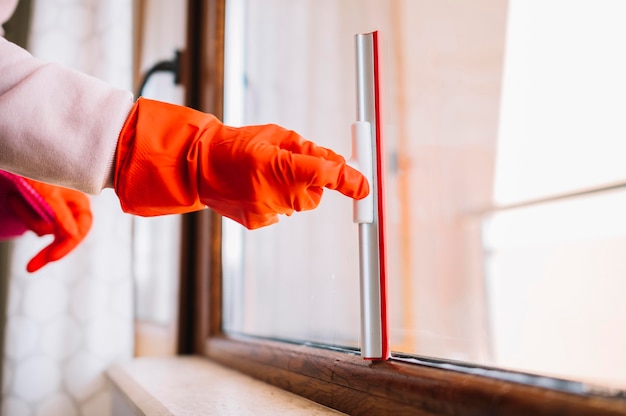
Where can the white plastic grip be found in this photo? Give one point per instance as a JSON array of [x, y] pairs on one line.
[[361, 160]]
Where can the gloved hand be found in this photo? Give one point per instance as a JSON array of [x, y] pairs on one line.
[[47, 209], [172, 159], [14, 186]]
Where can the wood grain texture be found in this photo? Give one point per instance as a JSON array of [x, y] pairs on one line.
[[350, 384]]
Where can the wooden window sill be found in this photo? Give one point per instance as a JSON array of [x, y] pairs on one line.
[[188, 385]]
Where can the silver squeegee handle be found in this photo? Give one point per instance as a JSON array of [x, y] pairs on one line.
[[365, 211]]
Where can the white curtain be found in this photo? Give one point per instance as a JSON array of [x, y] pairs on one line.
[[69, 322]]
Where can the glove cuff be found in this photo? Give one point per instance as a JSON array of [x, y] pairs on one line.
[[156, 148]]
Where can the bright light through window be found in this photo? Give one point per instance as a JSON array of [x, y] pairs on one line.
[[485, 104], [562, 121]]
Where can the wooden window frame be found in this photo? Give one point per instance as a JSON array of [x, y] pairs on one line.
[[338, 379]]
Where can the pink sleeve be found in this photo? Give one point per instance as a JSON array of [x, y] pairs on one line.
[[57, 125], [7, 7]]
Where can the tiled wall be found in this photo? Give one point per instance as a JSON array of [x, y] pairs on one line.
[[70, 321]]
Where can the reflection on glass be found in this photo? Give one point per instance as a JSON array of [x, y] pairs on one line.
[[484, 104]]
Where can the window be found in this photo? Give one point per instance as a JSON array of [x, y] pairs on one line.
[[294, 286], [156, 241]]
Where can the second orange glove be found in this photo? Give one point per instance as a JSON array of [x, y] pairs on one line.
[[63, 213], [172, 159]]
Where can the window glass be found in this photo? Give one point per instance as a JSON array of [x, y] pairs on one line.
[[555, 278], [485, 104], [554, 268], [157, 240], [297, 279]]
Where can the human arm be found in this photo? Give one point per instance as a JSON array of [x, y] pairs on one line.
[[65, 128], [57, 125], [172, 159], [46, 210]]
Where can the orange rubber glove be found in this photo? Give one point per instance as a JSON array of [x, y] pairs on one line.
[[71, 222], [172, 159]]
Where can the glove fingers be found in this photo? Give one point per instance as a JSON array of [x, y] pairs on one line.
[[53, 252], [311, 149], [331, 174], [65, 219], [293, 142], [309, 199], [73, 221], [59, 248], [82, 216], [253, 221]]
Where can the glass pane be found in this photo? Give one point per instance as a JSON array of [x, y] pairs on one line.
[[562, 122], [297, 279], [555, 283], [485, 103]]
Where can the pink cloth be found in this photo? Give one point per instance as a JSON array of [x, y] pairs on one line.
[[57, 125], [11, 225]]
